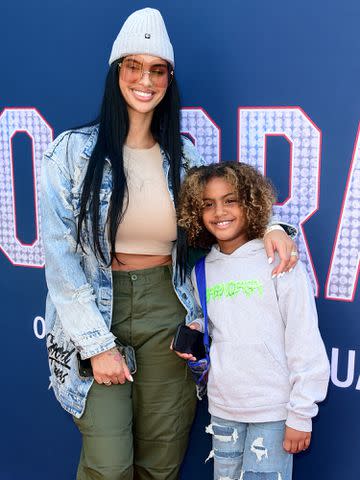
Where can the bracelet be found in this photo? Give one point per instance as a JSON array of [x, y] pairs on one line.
[[272, 228]]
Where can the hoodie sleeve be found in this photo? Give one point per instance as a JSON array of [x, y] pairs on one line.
[[305, 351]]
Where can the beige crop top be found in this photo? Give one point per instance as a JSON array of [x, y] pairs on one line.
[[149, 223]]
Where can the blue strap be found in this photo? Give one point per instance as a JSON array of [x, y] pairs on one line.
[[201, 286]]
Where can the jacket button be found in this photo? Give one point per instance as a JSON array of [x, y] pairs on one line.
[[133, 277]]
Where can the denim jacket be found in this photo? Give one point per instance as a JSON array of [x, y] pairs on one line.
[[79, 302]]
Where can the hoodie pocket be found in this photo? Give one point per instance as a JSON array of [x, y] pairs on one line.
[[246, 375]]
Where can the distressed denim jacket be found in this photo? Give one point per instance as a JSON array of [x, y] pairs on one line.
[[79, 302]]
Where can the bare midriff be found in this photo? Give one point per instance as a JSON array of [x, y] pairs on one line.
[[134, 261]]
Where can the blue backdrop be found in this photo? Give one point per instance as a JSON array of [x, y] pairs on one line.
[[274, 84]]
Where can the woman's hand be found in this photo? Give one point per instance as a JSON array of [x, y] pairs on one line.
[[278, 241], [109, 367], [296, 441], [187, 356]]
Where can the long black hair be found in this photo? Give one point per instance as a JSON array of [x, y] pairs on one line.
[[113, 129]]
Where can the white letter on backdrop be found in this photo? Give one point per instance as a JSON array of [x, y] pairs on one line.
[[12, 121], [345, 260], [304, 137], [206, 134]]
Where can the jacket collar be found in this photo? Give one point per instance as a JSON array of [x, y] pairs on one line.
[[90, 143]]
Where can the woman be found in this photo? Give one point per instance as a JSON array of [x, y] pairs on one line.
[[114, 270]]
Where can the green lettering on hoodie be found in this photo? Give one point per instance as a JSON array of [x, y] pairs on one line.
[[234, 288]]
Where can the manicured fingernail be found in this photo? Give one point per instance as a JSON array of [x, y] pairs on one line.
[[281, 274], [273, 276], [291, 269], [131, 378], [270, 260]]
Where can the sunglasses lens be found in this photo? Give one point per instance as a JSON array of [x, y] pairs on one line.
[[132, 71], [159, 75]]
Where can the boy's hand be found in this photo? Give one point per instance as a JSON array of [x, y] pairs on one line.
[[187, 356], [296, 441]]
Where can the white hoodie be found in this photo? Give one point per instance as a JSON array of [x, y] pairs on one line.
[[268, 361]]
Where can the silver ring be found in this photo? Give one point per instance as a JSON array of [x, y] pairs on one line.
[[294, 253], [108, 383]]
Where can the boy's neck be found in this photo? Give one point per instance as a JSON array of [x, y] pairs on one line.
[[229, 246]]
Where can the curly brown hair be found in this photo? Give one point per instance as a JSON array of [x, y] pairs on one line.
[[255, 193]]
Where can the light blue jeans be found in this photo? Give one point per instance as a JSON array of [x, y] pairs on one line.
[[249, 451]]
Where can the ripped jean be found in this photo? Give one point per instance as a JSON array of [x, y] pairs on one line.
[[249, 451]]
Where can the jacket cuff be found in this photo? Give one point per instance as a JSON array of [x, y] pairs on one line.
[[289, 229], [94, 342], [297, 422]]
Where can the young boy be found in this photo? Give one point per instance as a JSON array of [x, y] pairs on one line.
[[268, 362]]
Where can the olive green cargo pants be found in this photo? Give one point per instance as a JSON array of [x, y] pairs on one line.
[[140, 430]]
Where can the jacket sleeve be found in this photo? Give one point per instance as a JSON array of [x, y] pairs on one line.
[[191, 156], [287, 227], [71, 294], [305, 351], [199, 319]]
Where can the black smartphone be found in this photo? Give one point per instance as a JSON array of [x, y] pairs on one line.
[[187, 340], [84, 367]]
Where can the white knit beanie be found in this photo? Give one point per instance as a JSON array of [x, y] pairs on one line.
[[144, 32]]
